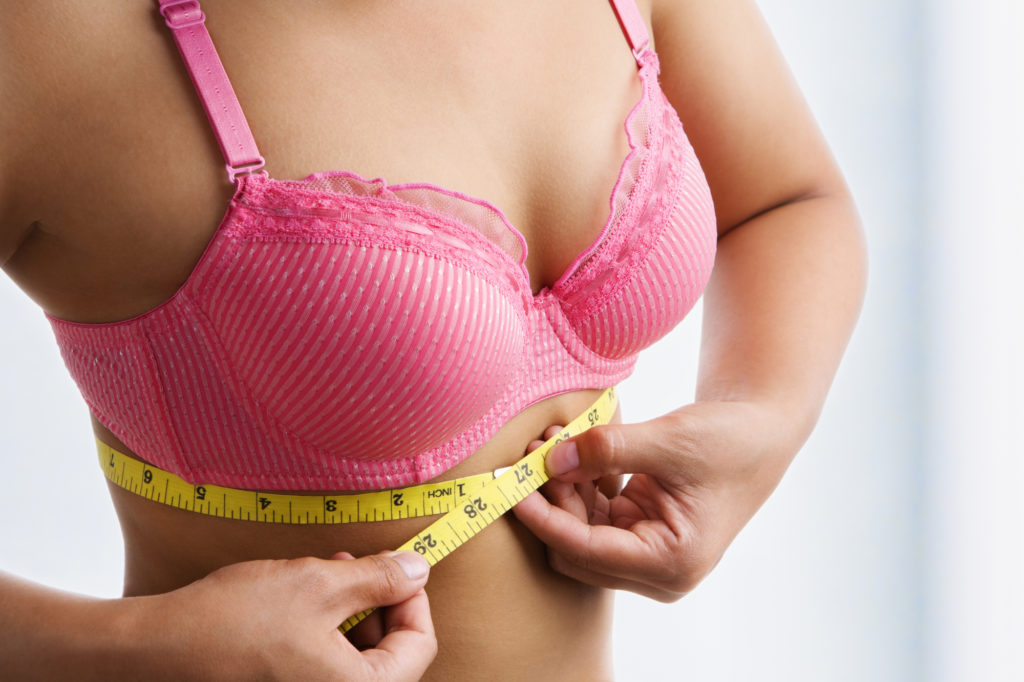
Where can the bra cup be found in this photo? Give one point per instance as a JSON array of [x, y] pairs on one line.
[[656, 298], [362, 351], [340, 333], [655, 264]]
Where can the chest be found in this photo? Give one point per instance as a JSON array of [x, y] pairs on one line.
[[317, 295], [522, 106]]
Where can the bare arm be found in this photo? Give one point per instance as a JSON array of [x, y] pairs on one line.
[[784, 295], [253, 620], [790, 273], [45, 633]]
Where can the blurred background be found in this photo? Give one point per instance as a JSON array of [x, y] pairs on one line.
[[894, 547]]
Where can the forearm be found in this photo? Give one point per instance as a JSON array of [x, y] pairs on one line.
[[253, 620], [780, 307], [46, 634]]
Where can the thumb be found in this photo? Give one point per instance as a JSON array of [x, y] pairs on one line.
[[611, 449], [378, 580]]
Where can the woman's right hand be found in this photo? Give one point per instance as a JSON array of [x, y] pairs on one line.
[[279, 620]]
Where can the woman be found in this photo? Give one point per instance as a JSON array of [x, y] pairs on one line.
[[521, 105]]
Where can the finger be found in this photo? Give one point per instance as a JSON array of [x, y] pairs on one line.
[[566, 496], [560, 564], [342, 556], [533, 445], [552, 431], [587, 492], [409, 646], [377, 580], [548, 434], [624, 512], [647, 552], [612, 449], [582, 500], [600, 507]]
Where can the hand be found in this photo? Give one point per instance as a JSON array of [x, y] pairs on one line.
[[699, 474], [279, 620]]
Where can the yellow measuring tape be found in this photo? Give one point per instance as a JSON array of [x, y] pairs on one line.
[[469, 504], [256, 505]]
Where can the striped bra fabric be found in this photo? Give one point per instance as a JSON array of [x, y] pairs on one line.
[[340, 333]]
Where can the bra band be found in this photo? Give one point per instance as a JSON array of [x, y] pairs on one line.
[[186, 21], [158, 485], [632, 25]]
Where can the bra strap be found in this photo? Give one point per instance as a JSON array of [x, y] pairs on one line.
[[633, 26], [186, 21]]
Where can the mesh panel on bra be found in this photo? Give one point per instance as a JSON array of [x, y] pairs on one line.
[[482, 216]]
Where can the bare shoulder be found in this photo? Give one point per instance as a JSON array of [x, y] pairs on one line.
[[755, 135], [52, 64], [85, 144], [23, 76]]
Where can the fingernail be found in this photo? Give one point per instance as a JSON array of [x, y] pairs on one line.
[[413, 564], [563, 458]]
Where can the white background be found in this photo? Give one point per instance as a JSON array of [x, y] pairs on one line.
[[893, 548]]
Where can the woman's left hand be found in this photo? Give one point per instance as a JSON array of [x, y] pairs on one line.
[[699, 474]]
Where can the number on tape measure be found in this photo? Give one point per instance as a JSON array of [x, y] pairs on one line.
[[468, 504], [455, 528], [162, 486]]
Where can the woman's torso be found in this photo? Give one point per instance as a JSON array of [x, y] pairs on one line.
[[115, 168]]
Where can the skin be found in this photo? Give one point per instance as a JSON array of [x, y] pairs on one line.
[[523, 107], [302, 598], [779, 309]]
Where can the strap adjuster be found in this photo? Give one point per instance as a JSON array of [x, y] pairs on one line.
[[248, 169], [182, 13]]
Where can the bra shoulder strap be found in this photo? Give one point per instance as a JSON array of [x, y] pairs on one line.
[[186, 21], [633, 25]]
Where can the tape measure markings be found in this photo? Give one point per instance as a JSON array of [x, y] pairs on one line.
[[469, 504], [496, 497], [161, 486]]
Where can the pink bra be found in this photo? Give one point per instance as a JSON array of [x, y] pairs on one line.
[[340, 333]]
